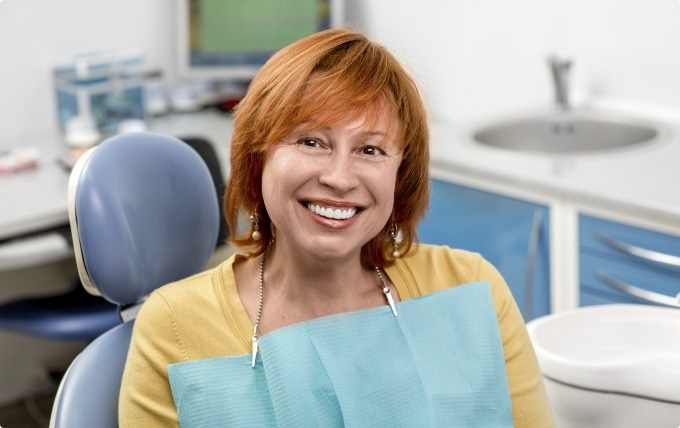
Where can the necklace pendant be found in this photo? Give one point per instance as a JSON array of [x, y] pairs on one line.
[[386, 291], [255, 345], [390, 300]]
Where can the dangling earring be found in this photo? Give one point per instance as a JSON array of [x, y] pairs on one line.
[[397, 236], [255, 224]]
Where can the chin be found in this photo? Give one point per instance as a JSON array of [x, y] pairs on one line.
[[331, 250], [330, 255]]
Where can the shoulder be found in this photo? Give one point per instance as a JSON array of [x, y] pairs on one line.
[[430, 268], [172, 299], [200, 314], [435, 267], [173, 304], [172, 312], [186, 290]]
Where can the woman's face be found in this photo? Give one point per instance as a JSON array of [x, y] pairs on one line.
[[330, 190]]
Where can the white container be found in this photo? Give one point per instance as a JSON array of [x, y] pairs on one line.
[[611, 365]]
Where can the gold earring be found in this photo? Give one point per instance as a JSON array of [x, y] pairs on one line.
[[397, 236], [255, 224]]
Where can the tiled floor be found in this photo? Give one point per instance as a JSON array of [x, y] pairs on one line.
[[27, 414]]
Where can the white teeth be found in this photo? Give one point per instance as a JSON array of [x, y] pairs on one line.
[[329, 212]]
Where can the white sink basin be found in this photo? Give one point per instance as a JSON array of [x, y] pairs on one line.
[[567, 132], [627, 349]]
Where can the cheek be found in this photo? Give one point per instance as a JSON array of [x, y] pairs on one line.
[[272, 185], [384, 185], [280, 176], [388, 180], [388, 198]]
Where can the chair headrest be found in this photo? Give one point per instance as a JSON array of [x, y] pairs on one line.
[[143, 213]]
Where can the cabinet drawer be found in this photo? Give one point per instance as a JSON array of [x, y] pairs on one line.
[[629, 244], [599, 276]]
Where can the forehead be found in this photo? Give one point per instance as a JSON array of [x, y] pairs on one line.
[[363, 124], [375, 117]]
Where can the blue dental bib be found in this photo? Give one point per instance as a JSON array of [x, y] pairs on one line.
[[440, 363]]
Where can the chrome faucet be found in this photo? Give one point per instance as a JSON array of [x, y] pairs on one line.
[[560, 74]]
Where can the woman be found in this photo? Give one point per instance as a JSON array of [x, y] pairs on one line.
[[333, 317]]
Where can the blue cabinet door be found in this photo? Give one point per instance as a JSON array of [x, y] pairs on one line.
[[621, 263], [512, 234]]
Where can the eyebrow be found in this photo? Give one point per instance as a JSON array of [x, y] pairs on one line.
[[366, 133], [372, 133]]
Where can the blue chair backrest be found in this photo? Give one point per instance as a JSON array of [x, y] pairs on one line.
[[143, 213]]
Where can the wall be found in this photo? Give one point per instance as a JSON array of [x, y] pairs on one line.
[[475, 59], [478, 59], [36, 35]]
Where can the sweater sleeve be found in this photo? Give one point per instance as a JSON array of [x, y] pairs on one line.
[[145, 396], [529, 401]]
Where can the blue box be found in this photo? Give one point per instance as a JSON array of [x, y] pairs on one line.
[[110, 86]]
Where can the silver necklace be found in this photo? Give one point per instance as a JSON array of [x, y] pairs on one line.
[[256, 337]]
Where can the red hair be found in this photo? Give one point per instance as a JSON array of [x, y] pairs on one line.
[[334, 77]]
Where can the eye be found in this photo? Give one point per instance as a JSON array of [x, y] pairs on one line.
[[372, 151], [309, 142]]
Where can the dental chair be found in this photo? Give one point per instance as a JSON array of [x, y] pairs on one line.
[[76, 315], [144, 212]]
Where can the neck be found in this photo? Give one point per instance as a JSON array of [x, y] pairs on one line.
[[312, 282], [298, 288]]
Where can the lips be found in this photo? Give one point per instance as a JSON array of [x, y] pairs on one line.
[[332, 212]]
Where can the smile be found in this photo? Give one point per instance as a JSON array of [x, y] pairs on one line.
[[332, 212]]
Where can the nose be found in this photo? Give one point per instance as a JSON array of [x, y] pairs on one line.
[[338, 173]]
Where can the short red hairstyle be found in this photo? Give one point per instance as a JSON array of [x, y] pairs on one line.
[[341, 76]]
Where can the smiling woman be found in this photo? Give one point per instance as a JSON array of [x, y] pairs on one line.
[[330, 79], [333, 315]]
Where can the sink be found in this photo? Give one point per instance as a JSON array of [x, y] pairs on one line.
[[567, 132], [575, 346], [616, 364]]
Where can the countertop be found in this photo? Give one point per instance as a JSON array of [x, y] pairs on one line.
[[643, 179]]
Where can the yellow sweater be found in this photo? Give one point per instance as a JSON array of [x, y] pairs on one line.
[[203, 317]]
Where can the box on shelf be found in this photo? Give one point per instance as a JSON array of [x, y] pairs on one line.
[[107, 87]]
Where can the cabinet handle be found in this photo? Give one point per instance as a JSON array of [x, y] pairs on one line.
[[640, 293], [642, 253], [532, 254]]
